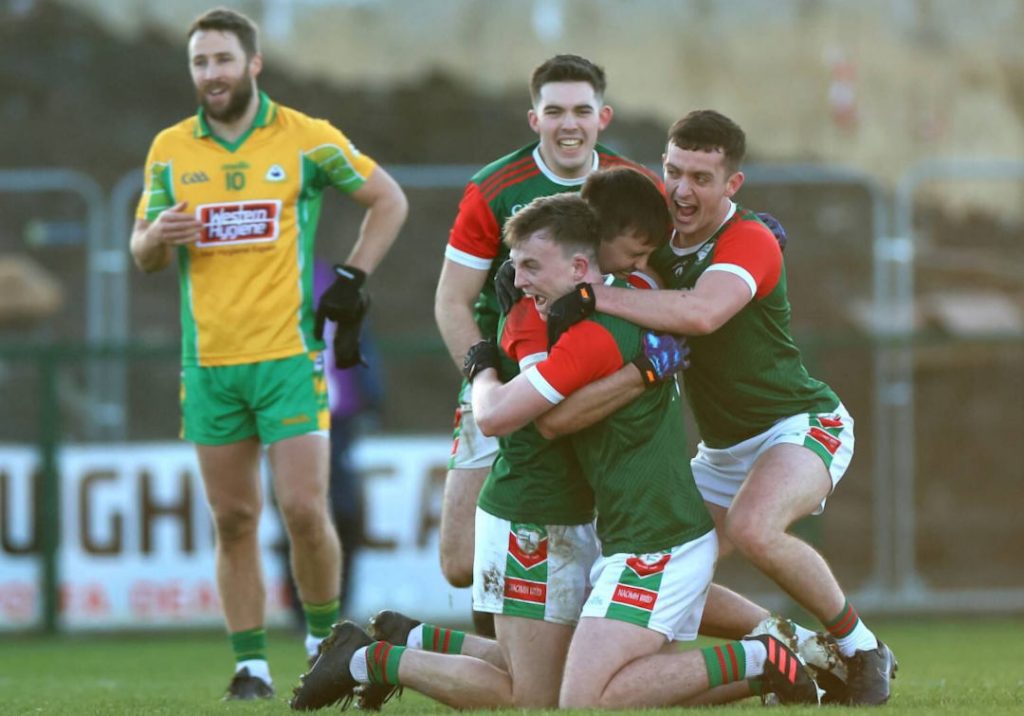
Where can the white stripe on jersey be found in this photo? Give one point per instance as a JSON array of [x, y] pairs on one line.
[[736, 271], [469, 260], [543, 387]]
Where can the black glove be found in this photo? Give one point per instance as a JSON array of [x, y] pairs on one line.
[[569, 310], [345, 302], [661, 356], [775, 227], [346, 345], [480, 356], [505, 287]]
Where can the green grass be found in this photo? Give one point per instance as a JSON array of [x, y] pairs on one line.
[[961, 666]]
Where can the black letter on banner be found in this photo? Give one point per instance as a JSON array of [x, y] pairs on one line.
[[115, 544], [150, 510], [7, 542]]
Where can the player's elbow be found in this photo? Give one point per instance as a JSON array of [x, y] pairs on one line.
[[700, 324], [398, 205], [491, 423]]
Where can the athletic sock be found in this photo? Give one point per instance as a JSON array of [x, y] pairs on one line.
[[439, 639], [726, 663], [378, 663], [415, 638], [357, 666], [321, 617], [249, 644], [312, 644], [850, 632], [257, 667]]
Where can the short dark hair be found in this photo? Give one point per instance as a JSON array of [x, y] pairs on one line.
[[625, 199], [567, 218], [223, 19], [706, 130], [567, 68]]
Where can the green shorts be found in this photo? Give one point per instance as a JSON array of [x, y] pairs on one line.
[[274, 400]]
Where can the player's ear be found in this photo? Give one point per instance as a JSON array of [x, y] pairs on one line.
[[733, 184], [256, 65], [533, 120], [604, 116], [580, 267]]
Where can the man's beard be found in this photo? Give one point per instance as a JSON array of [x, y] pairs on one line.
[[239, 96]]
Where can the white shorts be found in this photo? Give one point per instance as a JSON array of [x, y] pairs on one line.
[[532, 571], [664, 591], [471, 449], [719, 473]]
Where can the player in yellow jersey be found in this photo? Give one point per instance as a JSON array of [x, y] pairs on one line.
[[233, 195]]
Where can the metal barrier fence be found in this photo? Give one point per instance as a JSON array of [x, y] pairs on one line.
[[894, 583]]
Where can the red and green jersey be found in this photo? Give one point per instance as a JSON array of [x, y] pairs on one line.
[[247, 284], [533, 479], [646, 497], [493, 195], [748, 374]]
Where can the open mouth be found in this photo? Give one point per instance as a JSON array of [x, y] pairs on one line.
[[685, 210]]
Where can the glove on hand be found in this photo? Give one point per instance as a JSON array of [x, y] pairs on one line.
[[480, 356], [569, 310], [344, 301], [775, 227], [661, 356], [346, 345], [505, 287]]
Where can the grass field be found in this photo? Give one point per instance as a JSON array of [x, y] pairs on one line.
[[962, 666]]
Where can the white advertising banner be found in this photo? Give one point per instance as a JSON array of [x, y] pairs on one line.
[[136, 539]]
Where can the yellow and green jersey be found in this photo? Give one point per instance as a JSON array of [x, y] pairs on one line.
[[247, 284]]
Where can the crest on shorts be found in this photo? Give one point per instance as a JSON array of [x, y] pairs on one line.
[[647, 564], [528, 544]]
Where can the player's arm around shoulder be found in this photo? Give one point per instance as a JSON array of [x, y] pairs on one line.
[[502, 408], [386, 210], [745, 262]]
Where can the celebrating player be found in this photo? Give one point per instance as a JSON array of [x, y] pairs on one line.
[[568, 112], [651, 520], [233, 195], [775, 441]]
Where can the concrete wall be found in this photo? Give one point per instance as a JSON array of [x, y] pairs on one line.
[[873, 84]]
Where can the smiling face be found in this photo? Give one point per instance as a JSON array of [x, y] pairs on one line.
[[568, 116], [699, 188], [222, 74], [544, 271]]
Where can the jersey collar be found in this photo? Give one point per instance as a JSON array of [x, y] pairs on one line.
[[562, 180], [265, 114]]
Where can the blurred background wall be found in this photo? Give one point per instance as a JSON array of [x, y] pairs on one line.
[[906, 274], [873, 84]]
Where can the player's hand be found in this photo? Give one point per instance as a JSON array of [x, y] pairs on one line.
[[569, 310], [505, 287], [775, 227], [175, 226], [345, 302], [480, 356], [661, 356]]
